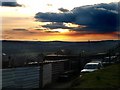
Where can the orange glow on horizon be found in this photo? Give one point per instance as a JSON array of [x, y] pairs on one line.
[[45, 36]]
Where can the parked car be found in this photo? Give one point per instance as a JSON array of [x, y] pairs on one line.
[[92, 66]]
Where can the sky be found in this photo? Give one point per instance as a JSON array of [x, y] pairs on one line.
[[59, 20]]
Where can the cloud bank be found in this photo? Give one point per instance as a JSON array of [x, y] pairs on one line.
[[19, 29], [9, 3], [56, 25], [101, 18]]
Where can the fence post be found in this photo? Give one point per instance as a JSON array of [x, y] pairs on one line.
[[41, 57], [41, 75]]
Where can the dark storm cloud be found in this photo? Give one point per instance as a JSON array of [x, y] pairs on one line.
[[9, 4], [63, 10], [55, 17], [97, 18]]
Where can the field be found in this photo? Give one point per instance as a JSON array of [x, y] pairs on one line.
[[35, 47], [108, 77]]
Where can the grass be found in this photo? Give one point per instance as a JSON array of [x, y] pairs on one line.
[[108, 77]]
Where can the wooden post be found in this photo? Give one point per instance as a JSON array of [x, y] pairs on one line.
[[40, 57], [41, 74]]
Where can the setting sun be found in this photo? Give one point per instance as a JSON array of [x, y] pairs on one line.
[[61, 30]]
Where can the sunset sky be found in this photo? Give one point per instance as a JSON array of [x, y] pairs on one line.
[[59, 20]]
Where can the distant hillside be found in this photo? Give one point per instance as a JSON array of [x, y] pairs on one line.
[[33, 48]]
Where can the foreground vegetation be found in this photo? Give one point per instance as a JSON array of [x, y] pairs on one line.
[[108, 77]]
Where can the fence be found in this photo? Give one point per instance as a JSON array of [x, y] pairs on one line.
[[32, 77], [23, 77], [26, 77]]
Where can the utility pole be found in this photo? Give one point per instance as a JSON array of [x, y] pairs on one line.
[[9, 61], [80, 67]]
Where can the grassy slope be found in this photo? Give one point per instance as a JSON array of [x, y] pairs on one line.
[[105, 78]]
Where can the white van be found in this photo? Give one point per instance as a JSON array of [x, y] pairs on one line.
[[92, 66]]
